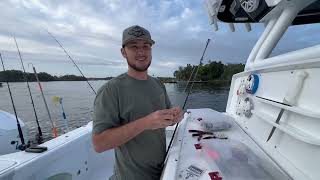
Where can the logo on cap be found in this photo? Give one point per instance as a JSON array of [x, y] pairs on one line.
[[136, 31]]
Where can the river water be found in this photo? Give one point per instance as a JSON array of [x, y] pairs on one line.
[[78, 102]]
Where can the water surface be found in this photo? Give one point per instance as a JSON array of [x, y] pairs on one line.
[[78, 102]]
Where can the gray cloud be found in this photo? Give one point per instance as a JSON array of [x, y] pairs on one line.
[[91, 32]]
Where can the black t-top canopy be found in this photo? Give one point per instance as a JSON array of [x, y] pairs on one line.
[[252, 11]]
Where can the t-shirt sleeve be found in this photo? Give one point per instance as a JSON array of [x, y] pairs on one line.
[[106, 109]]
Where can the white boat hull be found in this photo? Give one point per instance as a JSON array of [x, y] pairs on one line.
[[68, 156]]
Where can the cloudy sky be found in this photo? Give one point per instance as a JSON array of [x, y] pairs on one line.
[[91, 32]]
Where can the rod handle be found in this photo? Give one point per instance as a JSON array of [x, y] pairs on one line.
[[54, 132]]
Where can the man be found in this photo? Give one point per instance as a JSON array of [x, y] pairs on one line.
[[131, 112]]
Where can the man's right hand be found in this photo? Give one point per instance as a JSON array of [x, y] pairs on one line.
[[159, 119]]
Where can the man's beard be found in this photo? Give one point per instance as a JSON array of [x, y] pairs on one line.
[[139, 69]]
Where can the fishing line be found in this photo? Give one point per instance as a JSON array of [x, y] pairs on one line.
[[54, 129], [186, 99], [71, 60]]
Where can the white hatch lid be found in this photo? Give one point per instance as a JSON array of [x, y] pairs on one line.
[[8, 121]]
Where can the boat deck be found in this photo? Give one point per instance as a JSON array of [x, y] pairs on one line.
[[237, 157], [72, 155]]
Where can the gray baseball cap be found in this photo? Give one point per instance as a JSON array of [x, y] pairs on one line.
[[136, 32]]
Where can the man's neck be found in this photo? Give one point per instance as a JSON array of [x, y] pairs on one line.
[[138, 75]]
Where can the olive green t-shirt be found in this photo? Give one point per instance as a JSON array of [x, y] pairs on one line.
[[120, 101]]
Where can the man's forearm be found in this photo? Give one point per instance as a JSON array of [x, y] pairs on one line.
[[115, 137]]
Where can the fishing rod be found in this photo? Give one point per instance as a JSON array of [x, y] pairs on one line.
[[185, 89], [23, 146], [54, 129], [39, 137], [186, 99], [71, 60]]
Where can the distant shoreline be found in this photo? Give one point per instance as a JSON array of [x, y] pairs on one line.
[[2, 82], [19, 76]]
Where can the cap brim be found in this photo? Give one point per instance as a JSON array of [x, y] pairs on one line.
[[148, 40]]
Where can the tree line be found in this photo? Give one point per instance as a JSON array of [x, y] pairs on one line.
[[208, 72], [18, 76], [212, 71]]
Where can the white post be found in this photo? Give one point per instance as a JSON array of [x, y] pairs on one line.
[[275, 29], [280, 27], [215, 23], [256, 48]]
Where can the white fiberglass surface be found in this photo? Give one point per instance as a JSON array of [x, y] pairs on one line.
[[235, 160], [231, 154]]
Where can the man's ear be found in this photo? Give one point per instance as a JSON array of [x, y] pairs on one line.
[[123, 52]]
